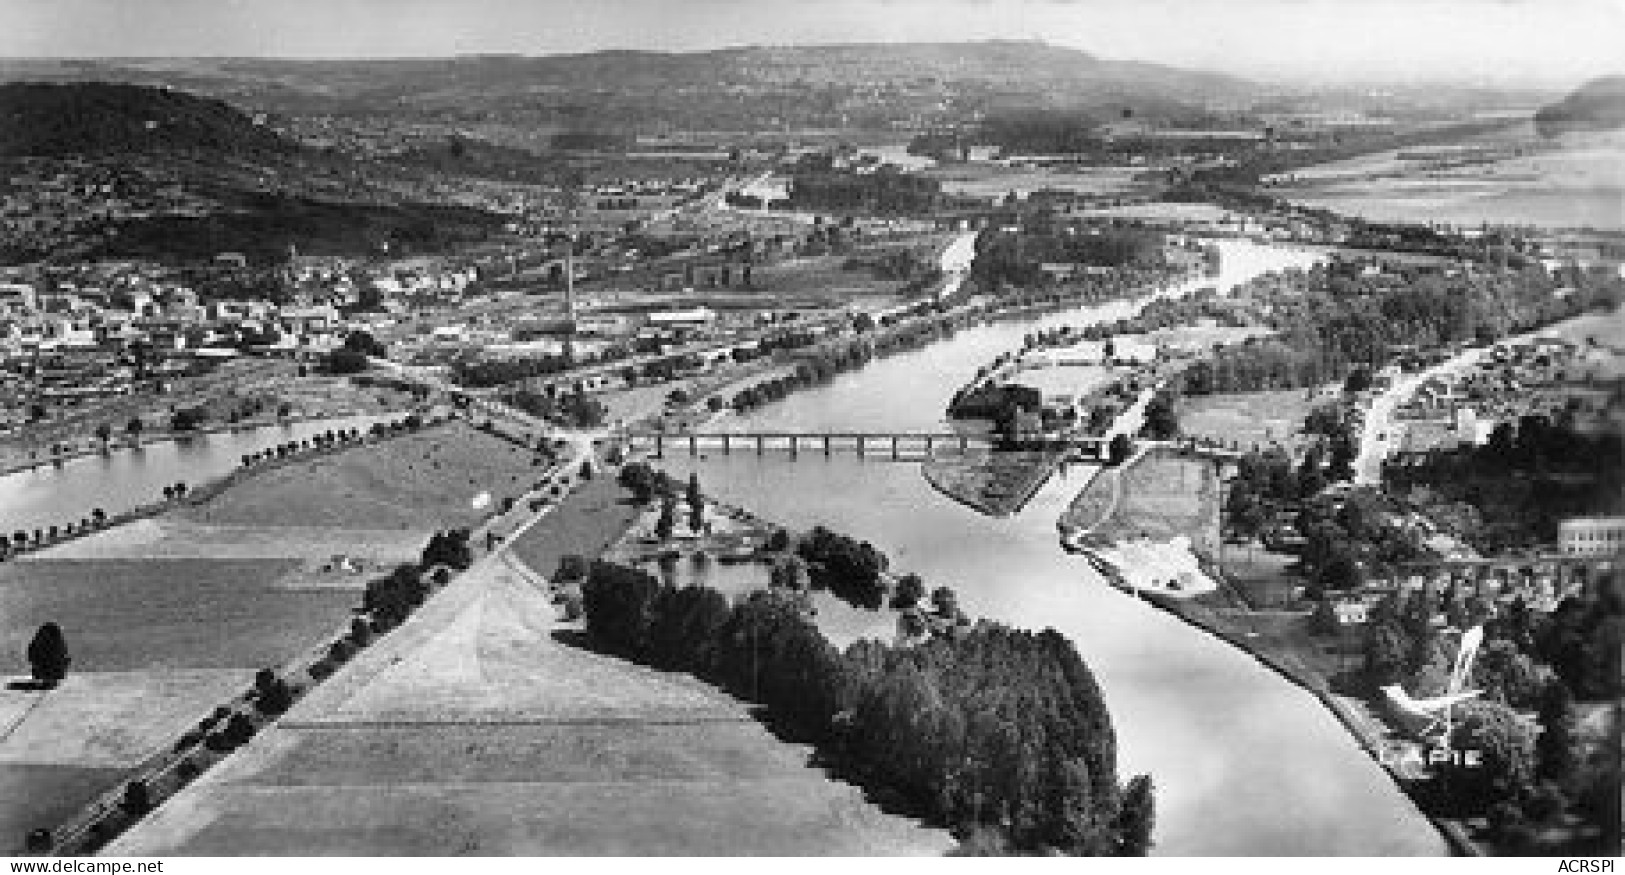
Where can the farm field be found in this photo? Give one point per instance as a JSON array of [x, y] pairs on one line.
[[479, 727], [419, 482], [591, 517], [1248, 419], [130, 615], [155, 643], [36, 794], [166, 537]]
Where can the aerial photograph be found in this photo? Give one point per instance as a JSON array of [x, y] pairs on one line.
[[856, 428]]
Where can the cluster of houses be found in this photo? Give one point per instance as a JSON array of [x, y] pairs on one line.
[[1541, 583], [1544, 375]]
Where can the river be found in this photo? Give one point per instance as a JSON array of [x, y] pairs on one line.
[[127, 478], [1245, 763]]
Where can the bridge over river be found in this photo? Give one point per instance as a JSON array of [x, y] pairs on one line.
[[897, 446]]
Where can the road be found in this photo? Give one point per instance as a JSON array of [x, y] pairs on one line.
[[1380, 437]]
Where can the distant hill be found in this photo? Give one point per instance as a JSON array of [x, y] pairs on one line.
[[97, 118], [1598, 105], [727, 89]]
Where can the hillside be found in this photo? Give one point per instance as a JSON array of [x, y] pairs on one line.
[[90, 118], [1598, 105], [741, 88]]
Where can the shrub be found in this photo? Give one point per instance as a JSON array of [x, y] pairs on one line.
[[137, 798], [38, 841]]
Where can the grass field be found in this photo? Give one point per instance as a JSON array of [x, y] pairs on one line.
[[1248, 419], [125, 615], [418, 482], [479, 728], [1164, 496], [591, 518], [39, 795], [819, 276]]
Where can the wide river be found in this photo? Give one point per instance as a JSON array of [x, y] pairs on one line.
[[1244, 762]]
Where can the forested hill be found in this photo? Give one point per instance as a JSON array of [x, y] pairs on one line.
[[726, 89], [98, 118], [1598, 105]]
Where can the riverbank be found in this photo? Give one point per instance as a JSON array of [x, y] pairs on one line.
[[1344, 709], [993, 482], [131, 444]]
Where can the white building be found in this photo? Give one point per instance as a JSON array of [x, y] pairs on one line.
[[1591, 536]]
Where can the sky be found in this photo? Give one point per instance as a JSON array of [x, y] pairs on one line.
[[1546, 42]]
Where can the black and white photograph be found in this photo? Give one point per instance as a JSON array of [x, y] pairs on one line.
[[775, 428]]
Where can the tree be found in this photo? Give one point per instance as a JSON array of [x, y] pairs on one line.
[[1119, 450], [104, 433], [1359, 380], [1505, 769], [137, 798], [1387, 651], [695, 500], [667, 523], [1506, 674], [910, 589], [1555, 758], [188, 418], [945, 604], [365, 344], [586, 470], [1137, 818], [345, 360], [790, 573], [48, 657]]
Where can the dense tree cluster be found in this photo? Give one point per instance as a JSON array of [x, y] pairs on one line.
[[852, 570], [1015, 258], [390, 599], [995, 728], [1334, 318], [1524, 480], [1529, 662], [477, 373], [570, 409], [447, 548], [885, 191]]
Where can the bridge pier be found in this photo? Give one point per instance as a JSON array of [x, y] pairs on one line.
[[894, 448], [861, 440], [795, 446], [693, 444], [759, 442], [826, 444], [660, 445], [727, 445]]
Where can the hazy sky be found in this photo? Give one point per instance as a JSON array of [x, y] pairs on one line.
[[1553, 41]]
